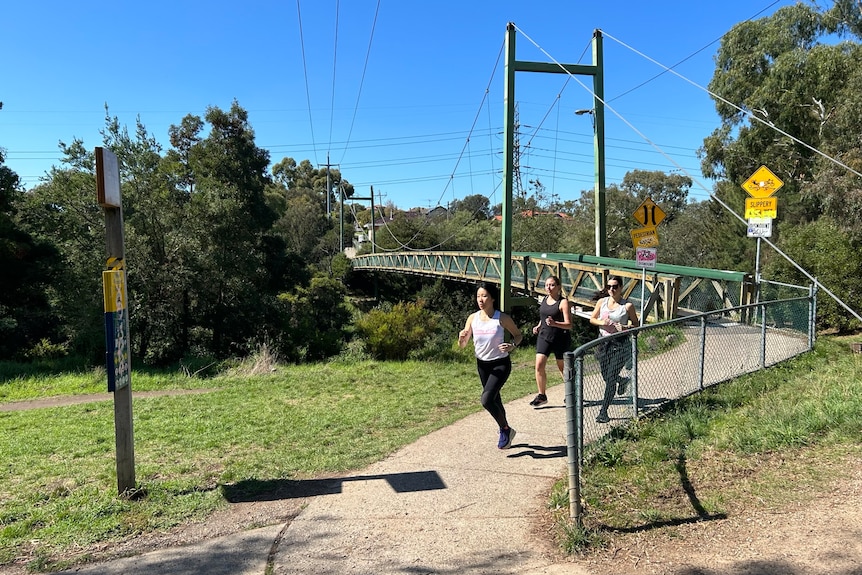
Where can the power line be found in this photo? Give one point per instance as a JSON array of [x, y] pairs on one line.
[[305, 74], [362, 80]]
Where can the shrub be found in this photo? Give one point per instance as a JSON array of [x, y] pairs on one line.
[[392, 334]]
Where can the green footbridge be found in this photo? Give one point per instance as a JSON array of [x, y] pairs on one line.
[[663, 292]]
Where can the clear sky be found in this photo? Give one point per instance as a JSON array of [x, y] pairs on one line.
[[405, 96]]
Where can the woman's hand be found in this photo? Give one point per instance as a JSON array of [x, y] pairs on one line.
[[535, 329]]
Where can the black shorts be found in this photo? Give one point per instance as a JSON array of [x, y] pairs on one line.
[[558, 347]]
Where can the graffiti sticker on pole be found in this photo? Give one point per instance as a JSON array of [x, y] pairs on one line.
[[647, 257]]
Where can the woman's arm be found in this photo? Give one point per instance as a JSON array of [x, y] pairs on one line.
[[594, 318], [566, 308], [464, 334], [633, 315], [509, 325]]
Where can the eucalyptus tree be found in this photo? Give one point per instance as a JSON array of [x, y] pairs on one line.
[[29, 267], [788, 94]]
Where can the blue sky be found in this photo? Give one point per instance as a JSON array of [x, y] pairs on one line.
[[414, 109]]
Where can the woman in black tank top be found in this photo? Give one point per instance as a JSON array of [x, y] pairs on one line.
[[555, 321]]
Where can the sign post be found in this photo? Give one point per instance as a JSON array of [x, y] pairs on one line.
[[761, 208], [118, 362], [645, 240]]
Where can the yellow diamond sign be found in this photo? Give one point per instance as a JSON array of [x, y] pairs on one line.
[[762, 183], [649, 214]]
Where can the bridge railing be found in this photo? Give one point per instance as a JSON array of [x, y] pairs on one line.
[[665, 292], [612, 380]]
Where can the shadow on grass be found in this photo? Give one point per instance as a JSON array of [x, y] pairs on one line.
[[275, 489]]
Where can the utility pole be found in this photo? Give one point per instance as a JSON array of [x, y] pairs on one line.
[[328, 188]]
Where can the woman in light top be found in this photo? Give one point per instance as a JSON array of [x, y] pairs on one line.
[[613, 314], [487, 327]]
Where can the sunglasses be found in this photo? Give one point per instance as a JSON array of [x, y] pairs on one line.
[[614, 286]]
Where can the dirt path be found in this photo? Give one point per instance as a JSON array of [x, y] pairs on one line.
[[88, 398], [821, 535]]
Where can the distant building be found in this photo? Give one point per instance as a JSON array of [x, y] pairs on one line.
[[366, 233]]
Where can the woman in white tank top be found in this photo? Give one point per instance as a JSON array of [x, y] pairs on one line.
[[613, 314], [487, 327]]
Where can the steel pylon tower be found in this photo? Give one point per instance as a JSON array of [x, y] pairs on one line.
[[517, 185]]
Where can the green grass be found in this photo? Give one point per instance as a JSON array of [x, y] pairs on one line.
[[762, 440], [58, 487], [750, 439]]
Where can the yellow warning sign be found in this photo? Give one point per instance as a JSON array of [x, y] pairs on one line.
[[758, 208], [762, 183], [645, 237], [649, 214]]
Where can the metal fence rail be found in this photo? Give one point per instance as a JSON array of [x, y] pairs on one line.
[[617, 378]]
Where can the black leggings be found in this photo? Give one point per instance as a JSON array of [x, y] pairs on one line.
[[613, 356], [493, 374]]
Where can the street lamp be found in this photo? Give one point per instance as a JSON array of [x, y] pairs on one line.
[[591, 112]]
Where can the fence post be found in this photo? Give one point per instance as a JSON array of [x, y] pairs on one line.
[[702, 350], [634, 374], [812, 314], [574, 431], [762, 308]]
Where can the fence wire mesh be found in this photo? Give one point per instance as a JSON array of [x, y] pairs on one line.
[[614, 379]]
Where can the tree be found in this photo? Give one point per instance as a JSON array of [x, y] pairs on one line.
[[775, 74], [789, 96], [63, 212], [477, 205], [154, 204], [29, 268]]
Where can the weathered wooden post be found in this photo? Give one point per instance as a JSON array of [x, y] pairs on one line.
[[117, 354]]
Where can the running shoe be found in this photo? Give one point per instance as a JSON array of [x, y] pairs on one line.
[[540, 399], [506, 437], [623, 385]]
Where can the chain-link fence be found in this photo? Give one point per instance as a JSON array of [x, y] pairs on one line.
[[628, 374]]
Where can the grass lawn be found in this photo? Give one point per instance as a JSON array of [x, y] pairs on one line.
[[58, 486]]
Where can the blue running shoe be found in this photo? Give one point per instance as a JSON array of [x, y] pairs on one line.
[[506, 437]]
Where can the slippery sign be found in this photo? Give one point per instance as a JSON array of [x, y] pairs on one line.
[[759, 208]]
